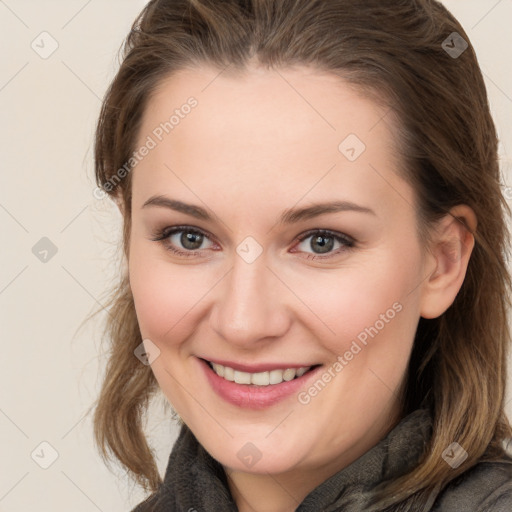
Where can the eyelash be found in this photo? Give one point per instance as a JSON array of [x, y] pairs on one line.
[[163, 235]]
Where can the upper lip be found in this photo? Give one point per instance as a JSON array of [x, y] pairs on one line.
[[257, 368]]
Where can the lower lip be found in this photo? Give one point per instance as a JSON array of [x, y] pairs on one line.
[[251, 396]]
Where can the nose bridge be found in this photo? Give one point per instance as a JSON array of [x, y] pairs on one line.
[[249, 308]]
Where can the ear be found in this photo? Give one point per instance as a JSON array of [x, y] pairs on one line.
[[447, 260]]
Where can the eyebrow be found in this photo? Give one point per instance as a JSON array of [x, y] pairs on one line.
[[289, 216]]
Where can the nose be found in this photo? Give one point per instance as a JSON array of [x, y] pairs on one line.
[[251, 307]]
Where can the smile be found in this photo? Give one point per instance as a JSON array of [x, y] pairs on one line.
[[260, 378], [264, 386]]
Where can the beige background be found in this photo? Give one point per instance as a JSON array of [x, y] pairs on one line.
[[49, 370]]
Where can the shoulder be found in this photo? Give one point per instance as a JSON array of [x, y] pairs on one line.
[[486, 487]]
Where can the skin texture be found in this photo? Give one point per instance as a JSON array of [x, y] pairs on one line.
[[255, 145]]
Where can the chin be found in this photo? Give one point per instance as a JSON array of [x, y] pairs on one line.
[[257, 456]]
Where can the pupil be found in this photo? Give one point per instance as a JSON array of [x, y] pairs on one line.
[[324, 246], [191, 241]]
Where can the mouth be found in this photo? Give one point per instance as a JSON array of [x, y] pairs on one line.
[[261, 388], [264, 378]]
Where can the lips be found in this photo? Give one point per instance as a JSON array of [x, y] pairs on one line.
[[249, 389]]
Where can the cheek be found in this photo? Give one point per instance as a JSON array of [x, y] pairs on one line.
[[363, 301], [377, 319], [164, 294]]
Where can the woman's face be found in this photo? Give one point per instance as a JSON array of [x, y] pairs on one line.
[[298, 250]]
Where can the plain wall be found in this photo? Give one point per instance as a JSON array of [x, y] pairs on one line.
[[50, 370]]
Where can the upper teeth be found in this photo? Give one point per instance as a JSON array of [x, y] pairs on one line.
[[261, 378]]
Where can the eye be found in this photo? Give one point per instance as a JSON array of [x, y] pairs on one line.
[[322, 243], [188, 241], [183, 240]]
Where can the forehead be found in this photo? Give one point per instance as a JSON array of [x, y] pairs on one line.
[[297, 129], [289, 104]]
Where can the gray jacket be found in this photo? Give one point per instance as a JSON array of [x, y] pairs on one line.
[[194, 481]]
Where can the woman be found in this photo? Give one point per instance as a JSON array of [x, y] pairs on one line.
[[315, 241]]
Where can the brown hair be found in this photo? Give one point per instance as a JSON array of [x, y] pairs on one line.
[[393, 51]]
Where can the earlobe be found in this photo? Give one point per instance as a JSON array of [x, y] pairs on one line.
[[452, 244]]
